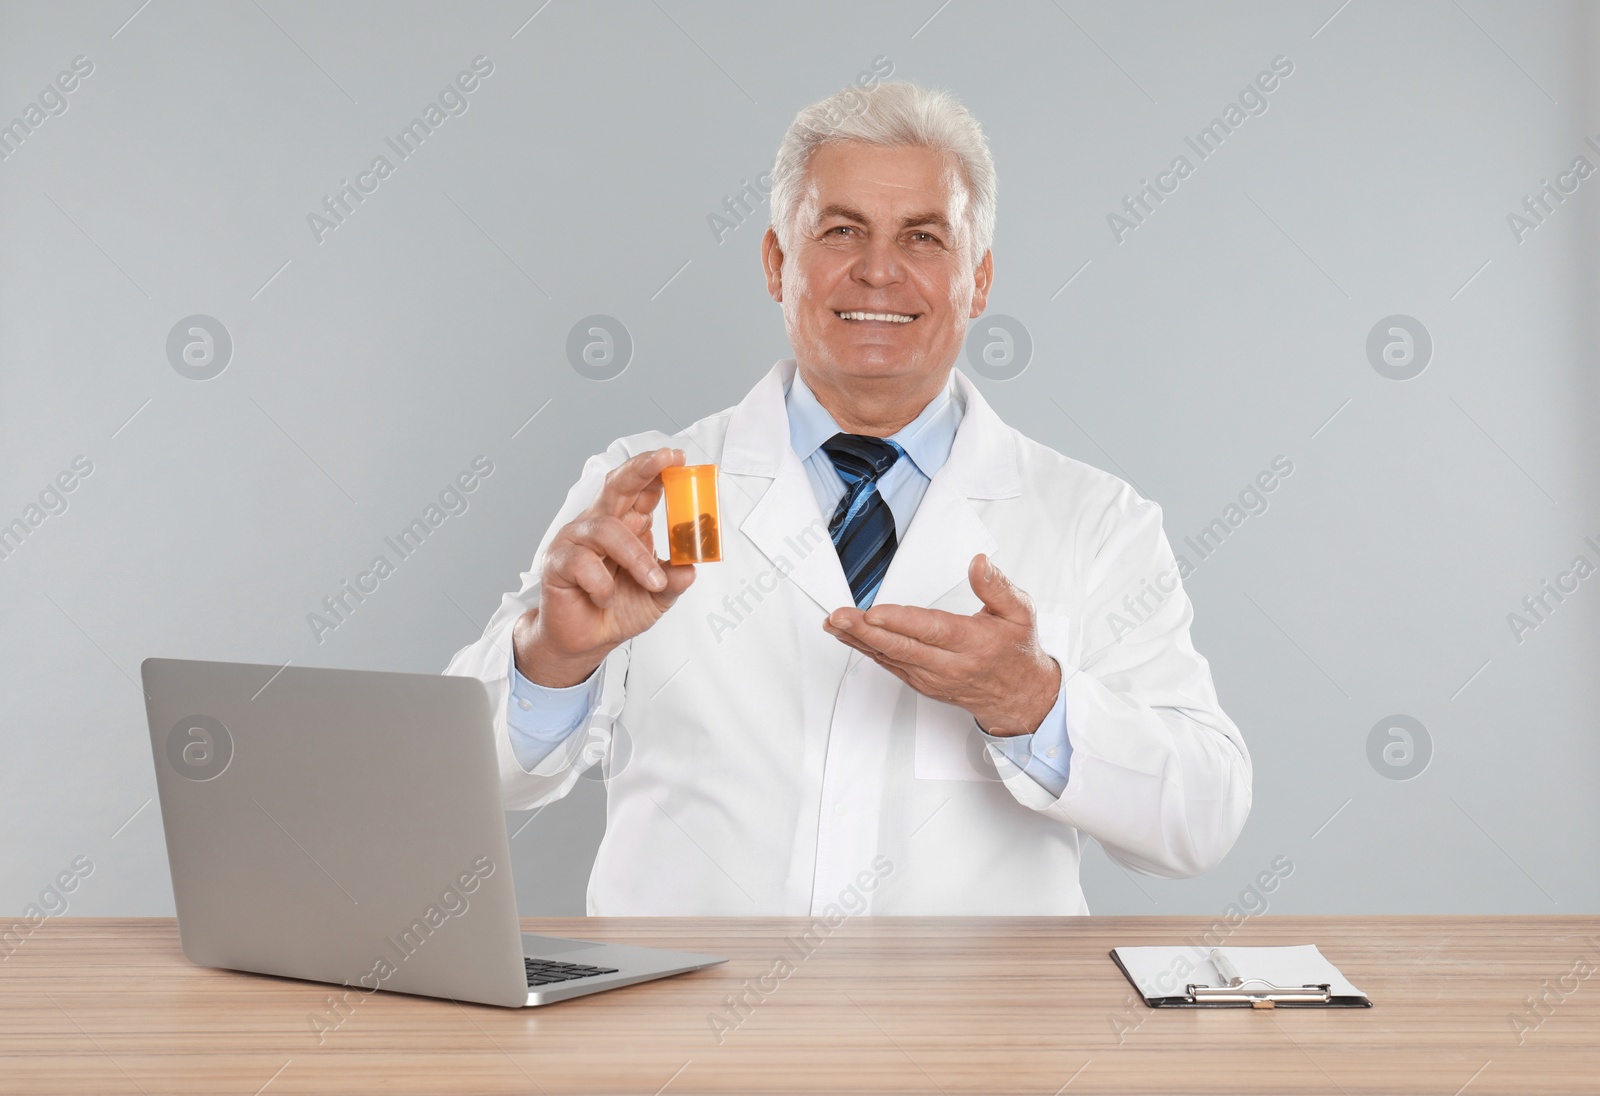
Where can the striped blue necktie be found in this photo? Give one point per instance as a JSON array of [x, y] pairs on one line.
[[863, 525]]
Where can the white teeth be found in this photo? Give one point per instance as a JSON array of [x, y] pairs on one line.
[[890, 317]]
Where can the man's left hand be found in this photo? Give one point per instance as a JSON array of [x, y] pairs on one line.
[[989, 663]]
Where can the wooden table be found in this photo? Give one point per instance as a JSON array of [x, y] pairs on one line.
[[1023, 1005]]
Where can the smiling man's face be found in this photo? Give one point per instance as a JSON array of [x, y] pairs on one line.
[[880, 283]]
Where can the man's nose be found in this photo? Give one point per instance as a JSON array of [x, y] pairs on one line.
[[880, 262]]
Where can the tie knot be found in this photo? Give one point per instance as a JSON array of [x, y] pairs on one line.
[[861, 456]]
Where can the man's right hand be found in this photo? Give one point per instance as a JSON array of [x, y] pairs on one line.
[[601, 583]]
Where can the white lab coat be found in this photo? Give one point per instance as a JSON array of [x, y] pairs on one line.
[[758, 766]]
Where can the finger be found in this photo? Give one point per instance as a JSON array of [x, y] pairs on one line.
[[649, 498], [907, 651], [997, 592], [576, 567], [898, 671], [851, 641], [680, 576], [856, 645], [934, 627], [610, 537], [911, 675], [627, 481], [639, 523], [902, 649]]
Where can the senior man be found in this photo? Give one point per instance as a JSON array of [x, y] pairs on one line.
[[901, 688]]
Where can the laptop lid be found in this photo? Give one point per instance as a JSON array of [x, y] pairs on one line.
[[336, 825]]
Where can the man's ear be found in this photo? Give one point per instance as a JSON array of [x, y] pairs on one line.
[[772, 263], [982, 279]]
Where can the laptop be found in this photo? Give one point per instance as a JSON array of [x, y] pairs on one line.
[[345, 826]]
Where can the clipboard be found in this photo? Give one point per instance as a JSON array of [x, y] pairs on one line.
[[1195, 977]]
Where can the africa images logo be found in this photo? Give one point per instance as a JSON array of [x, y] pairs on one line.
[[199, 748]]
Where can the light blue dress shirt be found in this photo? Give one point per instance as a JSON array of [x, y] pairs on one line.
[[541, 718]]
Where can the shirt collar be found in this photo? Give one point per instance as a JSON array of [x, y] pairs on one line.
[[926, 439]]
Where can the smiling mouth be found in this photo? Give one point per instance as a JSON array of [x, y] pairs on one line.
[[878, 317]]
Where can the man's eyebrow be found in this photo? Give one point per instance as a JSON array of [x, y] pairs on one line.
[[931, 217], [850, 213]]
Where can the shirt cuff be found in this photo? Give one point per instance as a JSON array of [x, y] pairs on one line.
[[1046, 754], [540, 718]]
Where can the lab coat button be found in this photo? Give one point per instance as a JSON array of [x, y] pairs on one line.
[[838, 808]]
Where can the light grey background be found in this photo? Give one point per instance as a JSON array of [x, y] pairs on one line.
[[1228, 329]]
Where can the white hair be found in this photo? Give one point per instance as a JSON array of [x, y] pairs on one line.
[[895, 114]]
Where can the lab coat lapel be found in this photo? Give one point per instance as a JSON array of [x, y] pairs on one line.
[[785, 523], [944, 535], [947, 531]]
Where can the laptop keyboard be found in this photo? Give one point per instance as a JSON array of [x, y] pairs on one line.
[[542, 972]]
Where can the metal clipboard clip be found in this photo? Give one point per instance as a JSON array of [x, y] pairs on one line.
[[1255, 992]]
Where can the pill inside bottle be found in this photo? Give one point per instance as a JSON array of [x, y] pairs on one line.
[[693, 535]]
